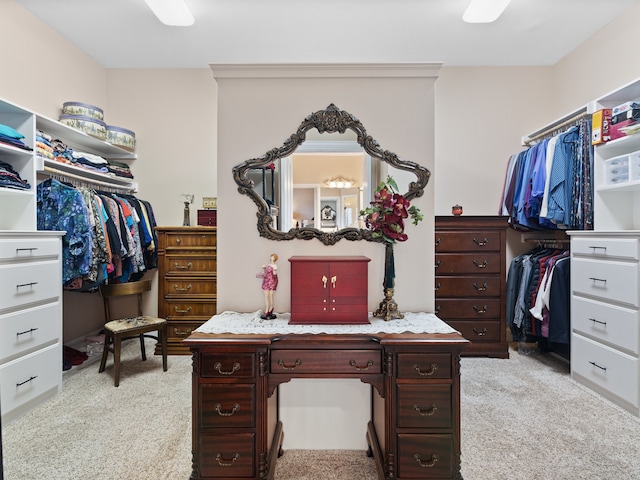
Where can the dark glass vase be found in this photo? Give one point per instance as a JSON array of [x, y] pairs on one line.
[[388, 308]]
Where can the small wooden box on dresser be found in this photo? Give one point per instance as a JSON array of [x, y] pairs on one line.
[[187, 265], [470, 282]]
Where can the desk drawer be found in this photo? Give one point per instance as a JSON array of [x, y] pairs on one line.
[[424, 406], [623, 248], [28, 377], [424, 365], [29, 329], [227, 405], [425, 456], [325, 361], [29, 283], [606, 279], [473, 263], [610, 369], [228, 455], [29, 248], [480, 241], [191, 239], [615, 325], [228, 365], [478, 331], [468, 286]]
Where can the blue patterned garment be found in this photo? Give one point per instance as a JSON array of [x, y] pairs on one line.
[[63, 208]]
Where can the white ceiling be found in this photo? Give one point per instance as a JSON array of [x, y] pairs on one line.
[[125, 34]]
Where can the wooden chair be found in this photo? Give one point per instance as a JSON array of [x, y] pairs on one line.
[[120, 329]]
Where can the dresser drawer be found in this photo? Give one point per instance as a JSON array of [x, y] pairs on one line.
[[181, 287], [29, 248], [178, 330], [28, 377], [325, 361], [236, 365], [478, 331], [190, 309], [190, 239], [469, 286], [189, 265], [227, 405], [610, 369], [424, 365], [615, 325], [228, 455], [425, 456], [29, 283], [424, 406], [27, 330], [476, 308], [624, 248], [461, 263], [606, 279], [467, 242]]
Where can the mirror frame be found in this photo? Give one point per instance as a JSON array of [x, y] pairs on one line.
[[329, 120]]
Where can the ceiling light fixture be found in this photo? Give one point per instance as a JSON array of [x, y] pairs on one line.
[[484, 11], [340, 182], [174, 13]]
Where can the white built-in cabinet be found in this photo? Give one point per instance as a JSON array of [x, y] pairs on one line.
[[31, 262], [605, 274]]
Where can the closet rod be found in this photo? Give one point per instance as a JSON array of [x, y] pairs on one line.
[[556, 127], [52, 172]]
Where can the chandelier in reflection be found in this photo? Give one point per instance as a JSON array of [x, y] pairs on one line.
[[340, 182]]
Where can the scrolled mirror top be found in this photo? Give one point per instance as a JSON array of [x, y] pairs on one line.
[[329, 120]]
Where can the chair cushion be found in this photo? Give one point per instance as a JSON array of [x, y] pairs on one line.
[[124, 324]]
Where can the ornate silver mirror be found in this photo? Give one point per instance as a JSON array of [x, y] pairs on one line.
[[267, 180]]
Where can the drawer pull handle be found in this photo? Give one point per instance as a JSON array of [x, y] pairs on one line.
[[31, 249], [178, 240], [187, 310], [334, 279], [353, 363], [218, 368], [229, 413], [183, 267], [438, 240], [598, 366], [598, 321], [297, 363], [480, 265], [481, 310], [480, 288], [26, 381], [426, 413], [183, 333], [426, 373], [26, 331], [30, 284], [602, 280], [438, 263], [481, 243], [437, 310], [324, 281], [429, 464], [594, 248], [182, 289], [227, 463], [480, 334], [438, 286]]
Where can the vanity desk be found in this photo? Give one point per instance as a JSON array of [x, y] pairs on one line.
[[412, 365]]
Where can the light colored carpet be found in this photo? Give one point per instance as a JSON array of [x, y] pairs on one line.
[[522, 419]]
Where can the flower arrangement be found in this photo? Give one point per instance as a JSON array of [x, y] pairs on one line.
[[387, 212]]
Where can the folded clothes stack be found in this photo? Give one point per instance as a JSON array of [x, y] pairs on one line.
[[11, 179], [11, 136], [119, 169]]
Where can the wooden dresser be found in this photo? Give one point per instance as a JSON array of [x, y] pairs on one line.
[[470, 283], [414, 431], [186, 281], [329, 289]]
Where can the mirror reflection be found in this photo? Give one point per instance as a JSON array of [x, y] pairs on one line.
[[315, 185]]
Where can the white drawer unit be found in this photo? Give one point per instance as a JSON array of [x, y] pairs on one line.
[[30, 319], [605, 315]]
